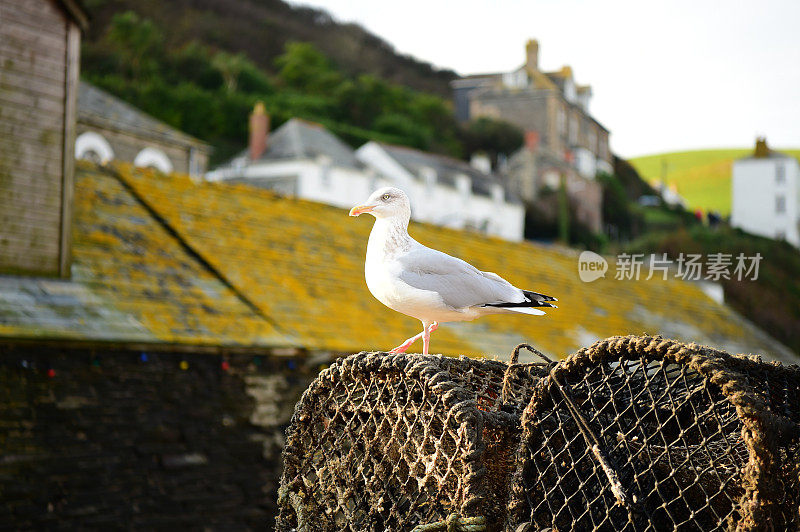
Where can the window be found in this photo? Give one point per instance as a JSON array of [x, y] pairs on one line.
[[153, 158], [91, 156], [780, 173], [593, 141], [194, 163], [573, 131], [93, 147], [780, 204]]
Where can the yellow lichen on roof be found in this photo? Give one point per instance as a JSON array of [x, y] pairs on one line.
[[302, 264], [134, 267]]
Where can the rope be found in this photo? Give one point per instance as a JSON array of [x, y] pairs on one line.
[[594, 444], [454, 523], [514, 365]]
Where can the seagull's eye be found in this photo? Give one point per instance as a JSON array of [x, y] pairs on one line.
[[386, 197]]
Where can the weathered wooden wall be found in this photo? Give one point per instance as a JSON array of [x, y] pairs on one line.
[[113, 441], [39, 56]]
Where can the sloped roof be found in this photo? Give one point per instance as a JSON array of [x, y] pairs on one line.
[[97, 107], [446, 168], [234, 264], [131, 282], [302, 264], [300, 139]]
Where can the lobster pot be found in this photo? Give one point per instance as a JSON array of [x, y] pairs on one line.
[[779, 386], [391, 441], [642, 433]]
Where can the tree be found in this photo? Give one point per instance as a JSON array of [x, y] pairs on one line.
[[138, 42], [304, 67], [492, 137], [230, 66]]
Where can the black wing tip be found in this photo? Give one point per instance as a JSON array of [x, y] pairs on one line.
[[536, 295], [524, 304]]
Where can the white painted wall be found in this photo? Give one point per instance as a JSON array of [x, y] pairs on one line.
[[455, 207], [316, 180], [756, 187]]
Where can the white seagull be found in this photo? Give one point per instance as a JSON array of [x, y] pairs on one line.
[[427, 284]]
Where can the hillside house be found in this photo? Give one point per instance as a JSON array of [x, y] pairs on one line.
[[110, 129], [766, 194], [448, 192], [39, 64], [304, 160], [562, 138]]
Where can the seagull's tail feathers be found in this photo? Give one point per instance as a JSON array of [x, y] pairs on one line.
[[525, 310], [532, 300]]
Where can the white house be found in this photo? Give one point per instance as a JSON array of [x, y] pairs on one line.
[[448, 192], [305, 160], [766, 194]]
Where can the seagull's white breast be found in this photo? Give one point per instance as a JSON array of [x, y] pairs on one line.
[[382, 273], [385, 284]]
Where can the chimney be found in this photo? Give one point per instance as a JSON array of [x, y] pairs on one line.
[[532, 55], [531, 140], [761, 147], [259, 131]]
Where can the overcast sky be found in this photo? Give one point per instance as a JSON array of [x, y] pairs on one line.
[[666, 76]]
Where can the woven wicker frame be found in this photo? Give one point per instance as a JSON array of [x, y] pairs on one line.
[[391, 441], [694, 437]]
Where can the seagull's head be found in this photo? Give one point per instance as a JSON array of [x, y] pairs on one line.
[[386, 202]]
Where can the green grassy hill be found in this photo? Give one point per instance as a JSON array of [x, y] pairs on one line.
[[703, 177]]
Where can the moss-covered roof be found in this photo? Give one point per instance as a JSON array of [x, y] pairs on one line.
[[132, 281], [171, 260]]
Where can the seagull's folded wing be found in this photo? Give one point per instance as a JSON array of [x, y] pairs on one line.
[[459, 283]]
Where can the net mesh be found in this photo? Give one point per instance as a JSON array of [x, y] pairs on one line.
[[642, 433], [631, 433], [391, 441]]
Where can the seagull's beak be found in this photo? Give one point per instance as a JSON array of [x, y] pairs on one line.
[[361, 209]]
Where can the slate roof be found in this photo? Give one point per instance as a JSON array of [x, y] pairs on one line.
[[771, 154], [131, 282], [300, 139], [167, 260], [97, 107], [446, 168]]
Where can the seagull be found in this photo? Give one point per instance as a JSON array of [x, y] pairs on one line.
[[427, 284]]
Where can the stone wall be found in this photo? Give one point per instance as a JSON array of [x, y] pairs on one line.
[[121, 439]]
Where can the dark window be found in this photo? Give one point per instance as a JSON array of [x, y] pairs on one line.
[[780, 204]]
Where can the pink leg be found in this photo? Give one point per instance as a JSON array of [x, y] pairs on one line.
[[405, 345], [426, 335]]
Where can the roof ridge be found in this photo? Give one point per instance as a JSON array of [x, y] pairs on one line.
[[189, 249], [154, 123]]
